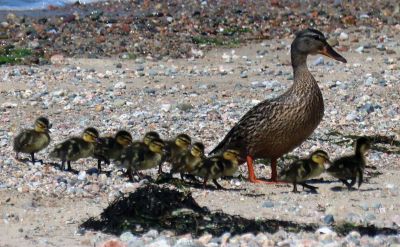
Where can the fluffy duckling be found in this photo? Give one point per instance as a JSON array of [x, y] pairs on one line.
[[175, 148], [110, 148], [33, 140], [76, 147], [141, 157], [352, 166], [218, 166], [151, 135], [305, 169], [190, 160]]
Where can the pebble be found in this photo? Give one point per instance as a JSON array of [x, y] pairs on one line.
[[360, 49], [343, 36], [318, 61], [329, 219]]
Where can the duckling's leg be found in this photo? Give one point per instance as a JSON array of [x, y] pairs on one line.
[[17, 155], [99, 165], [348, 185], [252, 176], [69, 166], [205, 183], [295, 188], [33, 157], [218, 185], [360, 178]]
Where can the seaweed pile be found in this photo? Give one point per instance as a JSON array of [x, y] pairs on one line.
[[162, 208]]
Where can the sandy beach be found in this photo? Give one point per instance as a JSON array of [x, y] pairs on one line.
[[183, 68]]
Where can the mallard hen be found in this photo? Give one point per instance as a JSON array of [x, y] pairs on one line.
[[33, 140], [304, 169], [352, 166], [277, 126]]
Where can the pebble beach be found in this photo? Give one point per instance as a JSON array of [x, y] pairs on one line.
[[197, 67]]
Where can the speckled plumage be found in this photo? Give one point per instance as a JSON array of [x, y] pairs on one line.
[[277, 126]]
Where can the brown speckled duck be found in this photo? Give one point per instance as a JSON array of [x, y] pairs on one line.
[[277, 126]]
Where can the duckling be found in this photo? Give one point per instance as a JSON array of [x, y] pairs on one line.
[[276, 126], [305, 169], [349, 167], [76, 148], [140, 157], [218, 166], [175, 148], [33, 140], [110, 148], [190, 160]]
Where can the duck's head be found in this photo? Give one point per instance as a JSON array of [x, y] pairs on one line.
[[183, 141], [157, 146], [151, 135], [90, 135], [312, 41], [124, 138], [231, 154], [363, 144], [42, 124], [197, 149], [320, 157]]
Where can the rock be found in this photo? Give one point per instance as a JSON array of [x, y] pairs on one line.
[[324, 230], [184, 107], [188, 243], [99, 108], [360, 49], [166, 107], [82, 175], [318, 61], [332, 42], [329, 219], [268, 204], [127, 237], [112, 243], [120, 85], [57, 59], [343, 36], [119, 102]]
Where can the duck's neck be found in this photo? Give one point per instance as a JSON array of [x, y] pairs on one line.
[[302, 78]]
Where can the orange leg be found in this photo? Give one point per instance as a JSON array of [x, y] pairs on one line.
[[252, 176]]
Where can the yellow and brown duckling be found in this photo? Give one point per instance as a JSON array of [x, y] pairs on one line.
[[175, 148], [33, 140], [190, 160], [276, 126], [110, 148], [304, 169], [218, 166], [141, 157], [76, 148], [351, 167]]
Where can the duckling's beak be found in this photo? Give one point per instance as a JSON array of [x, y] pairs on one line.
[[328, 51]]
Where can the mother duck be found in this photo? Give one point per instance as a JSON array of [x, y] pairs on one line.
[[276, 126]]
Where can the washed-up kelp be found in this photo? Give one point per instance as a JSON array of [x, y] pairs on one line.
[[162, 208]]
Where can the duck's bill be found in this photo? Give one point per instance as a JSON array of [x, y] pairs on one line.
[[330, 52]]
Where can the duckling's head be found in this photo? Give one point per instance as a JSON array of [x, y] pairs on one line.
[[157, 146], [231, 154], [151, 135], [90, 135], [363, 144], [320, 157], [124, 138], [42, 124], [312, 41], [197, 149], [183, 141]]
